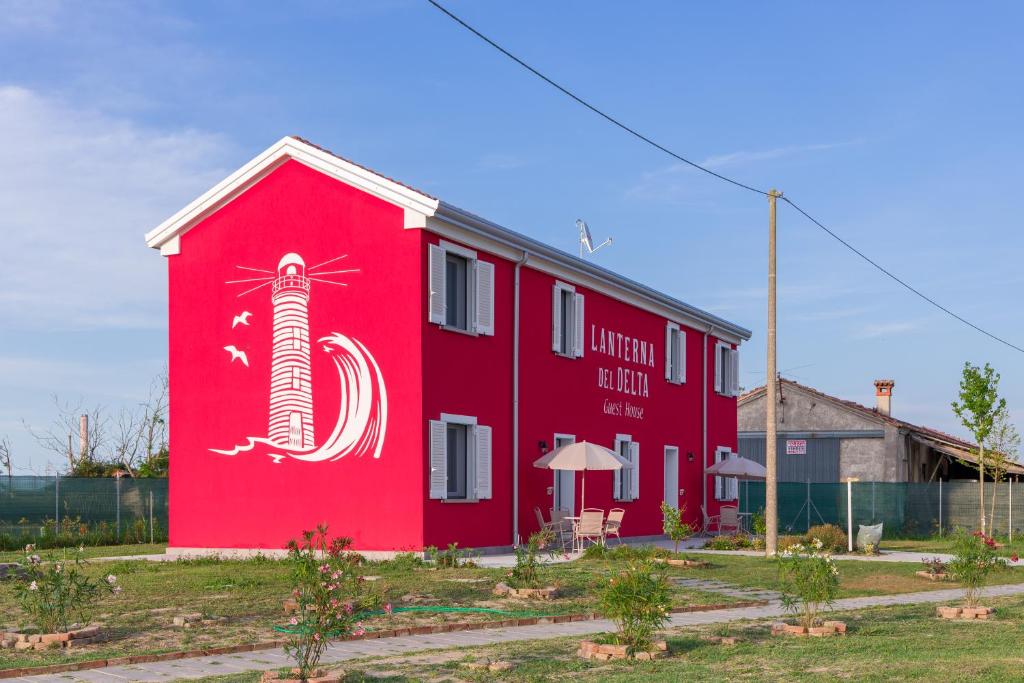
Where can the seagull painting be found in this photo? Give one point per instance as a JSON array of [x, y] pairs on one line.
[[235, 353], [241, 319]]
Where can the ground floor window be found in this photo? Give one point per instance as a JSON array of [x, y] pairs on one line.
[[460, 458], [627, 479], [564, 480], [726, 488]]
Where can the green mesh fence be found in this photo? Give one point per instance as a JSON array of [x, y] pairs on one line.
[[905, 509], [125, 509]]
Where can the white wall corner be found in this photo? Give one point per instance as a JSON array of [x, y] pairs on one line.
[[171, 247], [414, 220]]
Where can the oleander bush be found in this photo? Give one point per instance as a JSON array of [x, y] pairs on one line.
[[833, 539], [637, 600]]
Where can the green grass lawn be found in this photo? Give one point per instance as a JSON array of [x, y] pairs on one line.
[[94, 551], [883, 644], [248, 593]]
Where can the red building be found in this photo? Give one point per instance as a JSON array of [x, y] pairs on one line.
[[344, 348]]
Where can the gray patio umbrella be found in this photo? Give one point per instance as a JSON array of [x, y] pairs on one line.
[[582, 456], [738, 468]]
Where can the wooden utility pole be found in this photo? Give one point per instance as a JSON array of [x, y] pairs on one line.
[[771, 501]]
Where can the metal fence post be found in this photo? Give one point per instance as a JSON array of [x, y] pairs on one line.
[[118, 498], [151, 516], [1010, 508], [56, 502], [940, 507], [849, 512], [808, 505]]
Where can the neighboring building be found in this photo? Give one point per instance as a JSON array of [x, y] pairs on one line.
[[822, 438], [346, 349]]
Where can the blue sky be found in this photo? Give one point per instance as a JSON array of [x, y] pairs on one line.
[[897, 124]]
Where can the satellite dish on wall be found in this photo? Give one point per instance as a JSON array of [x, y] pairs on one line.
[[587, 240]]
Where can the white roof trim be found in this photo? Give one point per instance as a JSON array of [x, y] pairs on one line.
[[422, 211], [286, 148]]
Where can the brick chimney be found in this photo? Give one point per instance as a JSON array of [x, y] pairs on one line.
[[883, 396]]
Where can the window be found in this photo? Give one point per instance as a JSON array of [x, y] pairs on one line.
[[675, 354], [456, 291], [726, 488], [566, 321], [460, 459], [627, 479], [565, 480], [461, 290], [458, 437], [727, 369]]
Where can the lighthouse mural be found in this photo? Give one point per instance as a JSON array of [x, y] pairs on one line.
[[291, 380], [363, 405]]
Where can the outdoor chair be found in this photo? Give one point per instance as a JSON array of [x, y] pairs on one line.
[[728, 519], [589, 527], [709, 521], [541, 524], [614, 523], [562, 528]]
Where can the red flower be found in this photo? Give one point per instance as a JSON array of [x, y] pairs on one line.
[[1014, 558]]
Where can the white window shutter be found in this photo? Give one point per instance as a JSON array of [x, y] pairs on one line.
[[669, 370], [719, 369], [634, 456], [556, 318], [437, 282], [482, 439], [577, 341], [734, 357], [681, 340], [485, 298], [718, 480], [438, 459]]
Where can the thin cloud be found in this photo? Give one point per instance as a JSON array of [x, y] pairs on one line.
[[78, 189], [876, 330]]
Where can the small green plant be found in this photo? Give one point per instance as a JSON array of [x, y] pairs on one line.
[[449, 558], [974, 558], [637, 600], [57, 592], [330, 595], [809, 579], [758, 524], [730, 542], [934, 565], [673, 525], [526, 573], [833, 539], [403, 561]]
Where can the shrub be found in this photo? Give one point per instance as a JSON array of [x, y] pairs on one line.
[[758, 524], [58, 592], [330, 595], [403, 561], [786, 541], [449, 558], [809, 578], [833, 539], [526, 572], [620, 553], [673, 525], [637, 600], [732, 542], [934, 566], [974, 558]]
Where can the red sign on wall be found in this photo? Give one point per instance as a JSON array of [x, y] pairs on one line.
[[796, 446]]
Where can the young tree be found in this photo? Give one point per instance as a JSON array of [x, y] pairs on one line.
[[1003, 444], [978, 408], [5, 456]]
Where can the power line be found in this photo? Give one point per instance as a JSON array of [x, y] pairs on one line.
[[614, 121], [927, 298], [611, 119]]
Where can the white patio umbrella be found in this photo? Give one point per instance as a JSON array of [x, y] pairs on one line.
[[582, 456], [738, 468]]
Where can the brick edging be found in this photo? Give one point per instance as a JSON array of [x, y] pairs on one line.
[[369, 635]]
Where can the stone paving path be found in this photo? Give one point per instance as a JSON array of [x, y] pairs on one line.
[[341, 652]]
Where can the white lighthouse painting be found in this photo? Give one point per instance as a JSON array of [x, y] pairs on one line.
[[362, 411]]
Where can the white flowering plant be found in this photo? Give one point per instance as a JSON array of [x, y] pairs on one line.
[[638, 601], [57, 592], [330, 593], [809, 580]]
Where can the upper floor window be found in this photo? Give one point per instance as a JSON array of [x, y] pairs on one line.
[[727, 370], [566, 320], [461, 289], [675, 354]]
